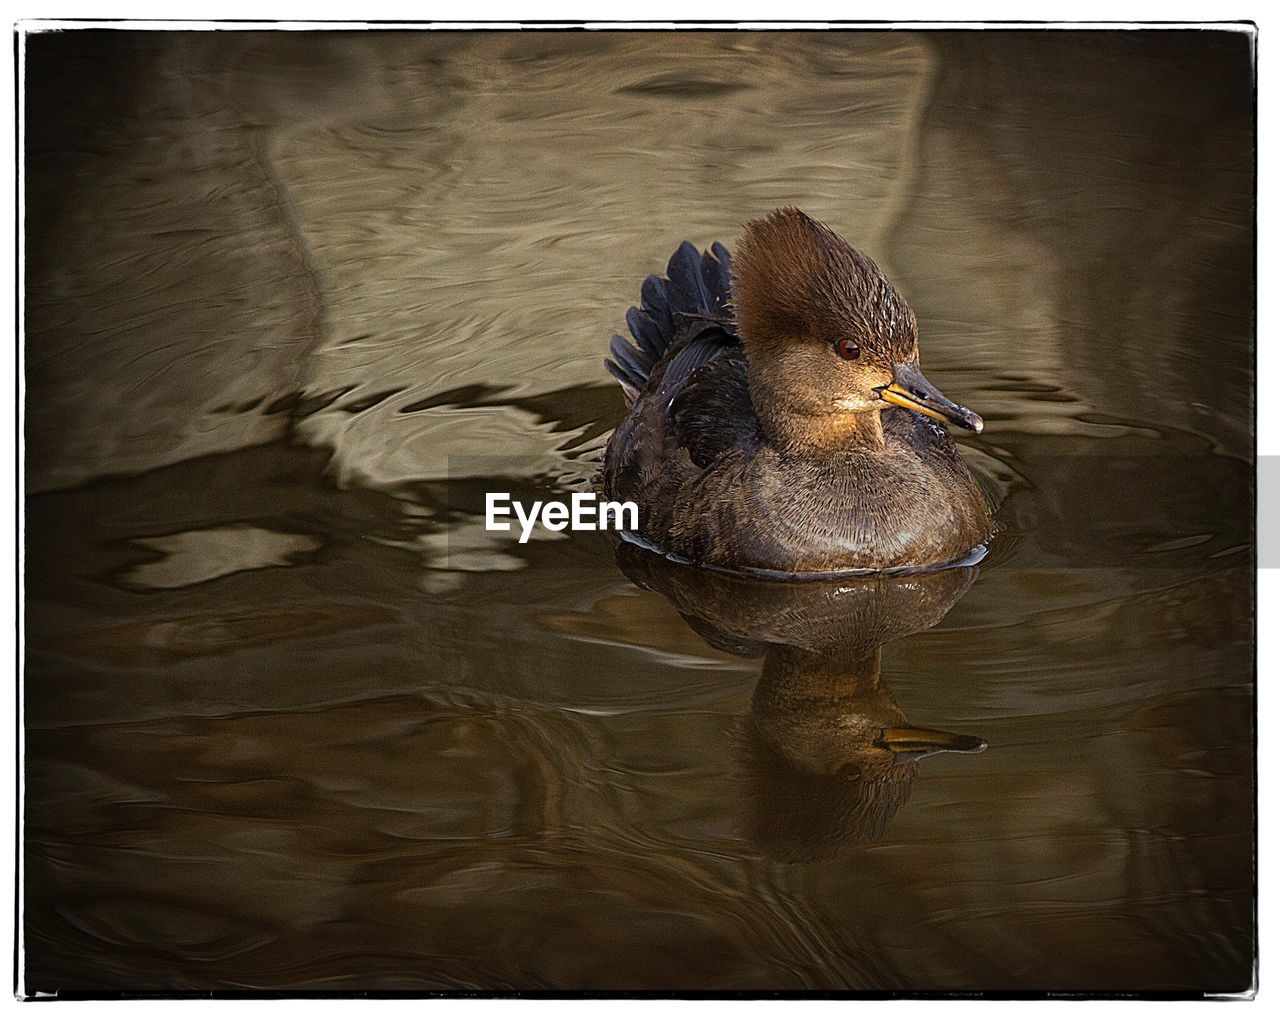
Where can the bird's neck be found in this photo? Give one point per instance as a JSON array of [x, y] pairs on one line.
[[795, 414], [819, 434]]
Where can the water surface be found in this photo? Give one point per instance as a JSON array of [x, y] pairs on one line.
[[296, 302]]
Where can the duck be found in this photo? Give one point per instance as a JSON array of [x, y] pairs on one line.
[[777, 420]]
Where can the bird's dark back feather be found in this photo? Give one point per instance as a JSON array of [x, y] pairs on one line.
[[673, 311]]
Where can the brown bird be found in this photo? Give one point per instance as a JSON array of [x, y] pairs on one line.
[[778, 419]]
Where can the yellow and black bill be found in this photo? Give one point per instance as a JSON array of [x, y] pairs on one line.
[[912, 390]]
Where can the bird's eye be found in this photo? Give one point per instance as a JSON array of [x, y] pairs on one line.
[[848, 349]]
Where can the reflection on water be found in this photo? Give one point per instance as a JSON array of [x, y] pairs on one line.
[[829, 756], [296, 302]]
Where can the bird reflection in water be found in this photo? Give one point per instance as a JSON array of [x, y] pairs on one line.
[[828, 758]]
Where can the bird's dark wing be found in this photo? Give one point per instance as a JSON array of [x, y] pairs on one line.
[[712, 413]]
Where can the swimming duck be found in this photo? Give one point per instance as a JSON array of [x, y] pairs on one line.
[[778, 420]]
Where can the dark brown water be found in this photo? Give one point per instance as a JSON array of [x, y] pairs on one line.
[[295, 720]]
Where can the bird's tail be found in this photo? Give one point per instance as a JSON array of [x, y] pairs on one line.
[[694, 293]]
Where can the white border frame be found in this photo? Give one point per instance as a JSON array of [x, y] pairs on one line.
[[660, 14]]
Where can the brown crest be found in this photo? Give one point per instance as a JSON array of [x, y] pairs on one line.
[[795, 278]]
